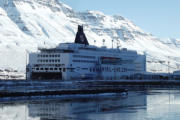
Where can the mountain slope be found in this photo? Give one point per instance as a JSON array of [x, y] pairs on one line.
[[26, 25]]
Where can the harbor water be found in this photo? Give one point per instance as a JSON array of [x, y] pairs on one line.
[[138, 105]]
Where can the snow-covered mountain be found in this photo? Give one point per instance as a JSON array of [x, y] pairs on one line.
[[26, 25]]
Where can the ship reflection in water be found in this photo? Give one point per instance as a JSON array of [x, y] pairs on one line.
[[139, 105], [84, 108]]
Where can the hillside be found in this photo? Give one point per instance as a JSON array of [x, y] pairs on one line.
[[26, 25]]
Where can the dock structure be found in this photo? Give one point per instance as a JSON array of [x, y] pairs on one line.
[[48, 88]]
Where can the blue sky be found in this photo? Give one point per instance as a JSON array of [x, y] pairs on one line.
[[159, 17]]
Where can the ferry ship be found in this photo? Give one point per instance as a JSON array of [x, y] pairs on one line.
[[79, 60]]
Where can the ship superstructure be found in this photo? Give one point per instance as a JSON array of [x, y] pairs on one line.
[[79, 60]]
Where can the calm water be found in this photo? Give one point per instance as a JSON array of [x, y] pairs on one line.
[[139, 105]]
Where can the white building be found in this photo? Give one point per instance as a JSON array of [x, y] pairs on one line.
[[80, 60]]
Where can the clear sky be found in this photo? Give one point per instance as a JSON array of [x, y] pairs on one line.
[[159, 17]]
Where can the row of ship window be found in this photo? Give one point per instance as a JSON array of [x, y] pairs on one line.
[[108, 69], [60, 69], [53, 55], [48, 60], [56, 65], [102, 69]]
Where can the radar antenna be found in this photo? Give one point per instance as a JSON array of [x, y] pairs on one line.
[[112, 43], [103, 42], [118, 42], [94, 42]]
